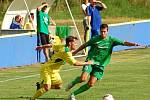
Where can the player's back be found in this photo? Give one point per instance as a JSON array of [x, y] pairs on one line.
[[58, 58]]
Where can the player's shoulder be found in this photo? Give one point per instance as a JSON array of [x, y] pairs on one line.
[[58, 47], [66, 49], [97, 37], [112, 38]]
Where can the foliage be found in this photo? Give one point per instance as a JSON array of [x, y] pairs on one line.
[[116, 9]]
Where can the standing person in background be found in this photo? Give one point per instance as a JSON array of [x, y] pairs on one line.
[[94, 16], [43, 21], [85, 21], [30, 23]]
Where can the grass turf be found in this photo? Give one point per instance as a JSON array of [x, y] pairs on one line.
[[126, 78]]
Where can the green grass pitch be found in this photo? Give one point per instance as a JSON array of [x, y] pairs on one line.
[[126, 78]]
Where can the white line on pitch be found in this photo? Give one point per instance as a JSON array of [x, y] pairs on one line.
[[18, 78], [61, 71]]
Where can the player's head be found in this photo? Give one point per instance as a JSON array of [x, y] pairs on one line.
[[71, 42], [18, 18], [104, 30], [45, 7], [93, 2]]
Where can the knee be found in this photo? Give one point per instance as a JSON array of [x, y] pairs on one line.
[[90, 84], [46, 87], [82, 79]]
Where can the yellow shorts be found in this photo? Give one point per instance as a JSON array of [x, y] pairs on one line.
[[49, 77]]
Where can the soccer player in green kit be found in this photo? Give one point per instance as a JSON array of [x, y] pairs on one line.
[[100, 54], [43, 22]]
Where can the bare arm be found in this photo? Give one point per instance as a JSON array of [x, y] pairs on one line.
[[84, 12], [102, 5], [43, 46], [126, 43], [40, 7], [89, 20], [79, 49], [52, 21], [79, 63]]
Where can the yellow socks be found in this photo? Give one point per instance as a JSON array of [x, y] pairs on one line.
[[38, 93]]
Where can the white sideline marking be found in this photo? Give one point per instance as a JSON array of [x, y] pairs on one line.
[[61, 71], [18, 78], [131, 22]]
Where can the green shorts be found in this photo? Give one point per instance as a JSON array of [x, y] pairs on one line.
[[93, 70]]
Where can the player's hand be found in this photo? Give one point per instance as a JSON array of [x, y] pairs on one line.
[[51, 36], [88, 27], [46, 4], [38, 48], [90, 62]]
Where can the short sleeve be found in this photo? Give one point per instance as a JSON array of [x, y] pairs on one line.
[[83, 6], [117, 41], [69, 58]]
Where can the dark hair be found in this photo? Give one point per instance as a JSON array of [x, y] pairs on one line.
[[104, 26], [43, 3], [17, 16], [70, 39]]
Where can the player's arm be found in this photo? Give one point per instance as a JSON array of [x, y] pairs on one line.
[[52, 21], [72, 61], [126, 43], [43, 46], [80, 48], [40, 7], [79, 63], [102, 5], [88, 12], [89, 21]]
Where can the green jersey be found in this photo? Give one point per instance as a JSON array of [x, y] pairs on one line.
[[43, 20], [101, 49]]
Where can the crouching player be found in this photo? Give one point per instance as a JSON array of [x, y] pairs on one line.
[[50, 77]]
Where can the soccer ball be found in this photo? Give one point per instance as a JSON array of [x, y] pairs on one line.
[[108, 97]]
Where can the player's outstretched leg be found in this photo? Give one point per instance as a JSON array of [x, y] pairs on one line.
[[84, 87], [73, 83], [41, 91], [78, 91]]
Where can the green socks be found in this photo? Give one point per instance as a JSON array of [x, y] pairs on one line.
[[81, 89], [76, 81]]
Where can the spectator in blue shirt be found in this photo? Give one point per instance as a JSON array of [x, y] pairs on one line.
[[94, 16], [17, 23]]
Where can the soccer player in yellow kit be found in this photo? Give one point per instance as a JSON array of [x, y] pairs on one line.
[[50, 77]]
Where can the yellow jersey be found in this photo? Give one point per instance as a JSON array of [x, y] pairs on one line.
[[62, 56]]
